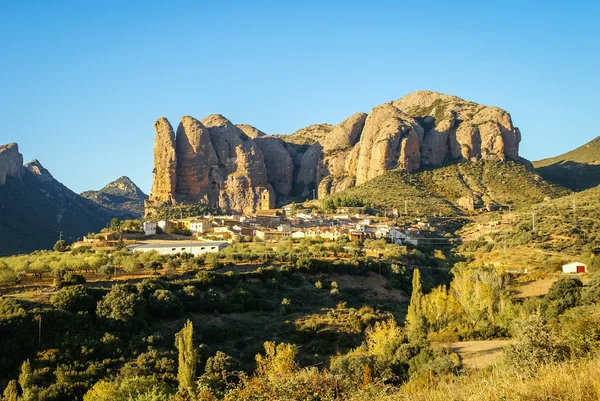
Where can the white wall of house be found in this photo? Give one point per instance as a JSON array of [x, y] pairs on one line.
[[195, 248]]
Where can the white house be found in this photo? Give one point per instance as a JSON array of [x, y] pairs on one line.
[[200, 226], [195, 248], [149, 227], [574, 267], [298, 234]]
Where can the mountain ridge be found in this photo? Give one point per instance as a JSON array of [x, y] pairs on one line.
[[577, 169]]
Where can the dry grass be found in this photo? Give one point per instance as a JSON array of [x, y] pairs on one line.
[[479, 354], [536, 288], [574, 381]]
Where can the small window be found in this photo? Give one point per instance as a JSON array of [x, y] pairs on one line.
[[212, 247], [183, 249], [172, 249]]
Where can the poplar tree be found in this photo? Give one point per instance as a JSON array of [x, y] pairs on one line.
[[188, 357], [415, 321]]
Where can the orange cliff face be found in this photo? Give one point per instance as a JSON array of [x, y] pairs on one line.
[[217, 162]]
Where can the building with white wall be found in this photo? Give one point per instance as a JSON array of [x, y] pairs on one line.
[[171, 248]]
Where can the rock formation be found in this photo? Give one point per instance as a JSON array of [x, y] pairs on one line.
[[220, 163], [198, 175], [11, 162], [165, 163]]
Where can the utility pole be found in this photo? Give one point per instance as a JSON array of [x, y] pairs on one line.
[[533, 220], [40, 332], [313, 194], [60, 236], [406, 207]]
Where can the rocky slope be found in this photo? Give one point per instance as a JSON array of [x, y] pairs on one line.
[[578, 169], [219, 163], [122, 196], [35, 207]]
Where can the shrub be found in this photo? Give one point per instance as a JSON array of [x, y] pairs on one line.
[[163, 303], [73, 299], [534, 345], [10, 307], [120, 304], [564, 294]]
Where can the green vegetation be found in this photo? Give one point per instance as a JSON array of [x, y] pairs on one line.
[[436, 192], [565, 228], [168, 212], [287, 321], [578, 169]]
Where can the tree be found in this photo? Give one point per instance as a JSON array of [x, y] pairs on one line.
[[120, 304], [74, 299], [60, 246], [163, 303], [187, 357], [25, 380], [115, 224], [415, 320]]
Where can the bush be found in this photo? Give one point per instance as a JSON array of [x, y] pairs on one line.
[[534, 345], [10, 307], [564, 294], [163, 303], [73, 299]]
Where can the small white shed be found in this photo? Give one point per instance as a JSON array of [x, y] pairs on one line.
[[574, 267]]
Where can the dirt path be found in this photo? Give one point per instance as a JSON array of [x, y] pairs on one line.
[[479, 354]]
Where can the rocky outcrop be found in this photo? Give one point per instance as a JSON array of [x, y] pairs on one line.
[[36, 168], [11, 162], [242, 165], [390, 139], [198, 174], [278, 162], [165, 163], [251, 131], [230, 165], [460, 129]]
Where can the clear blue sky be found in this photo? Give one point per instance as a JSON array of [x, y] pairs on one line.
[[82, 82]]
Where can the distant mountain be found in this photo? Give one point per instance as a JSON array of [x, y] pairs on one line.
[[121, 195], [578, 169], [35, 208]]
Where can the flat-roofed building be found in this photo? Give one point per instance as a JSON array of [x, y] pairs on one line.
[[171, 248]]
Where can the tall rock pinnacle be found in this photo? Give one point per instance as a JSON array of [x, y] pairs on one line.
[[165, 163]]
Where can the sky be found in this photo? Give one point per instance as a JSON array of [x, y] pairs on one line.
[[82, 82]]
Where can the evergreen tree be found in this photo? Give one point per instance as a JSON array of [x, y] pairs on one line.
[[188, 357], [25, 378], [415, 321]]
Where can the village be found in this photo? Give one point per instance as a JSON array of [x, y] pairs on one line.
[[213, 233]]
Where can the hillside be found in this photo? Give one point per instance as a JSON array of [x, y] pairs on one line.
[[121, 195], [578, 169], [35, 208], [566, 228], [456, 189]]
